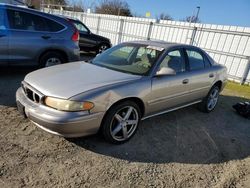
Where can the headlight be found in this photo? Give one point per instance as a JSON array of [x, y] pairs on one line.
[[67, 105]]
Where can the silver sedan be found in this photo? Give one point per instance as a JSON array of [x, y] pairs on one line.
[[112, 93]]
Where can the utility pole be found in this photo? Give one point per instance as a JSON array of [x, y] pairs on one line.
[[197, 14]]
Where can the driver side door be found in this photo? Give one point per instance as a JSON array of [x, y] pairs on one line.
[[170, 91]]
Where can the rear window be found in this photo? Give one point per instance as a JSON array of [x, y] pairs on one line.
[[25, 21]]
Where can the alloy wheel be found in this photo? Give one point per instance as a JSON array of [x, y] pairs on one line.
[[52, 61], [213, 99], [124, 123], [102, 48]]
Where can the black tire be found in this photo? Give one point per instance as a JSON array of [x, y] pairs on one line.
[[102, 47], [109, 122], [49, 55], [204, 105]]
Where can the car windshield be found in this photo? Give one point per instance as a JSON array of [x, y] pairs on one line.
[[129, 58]]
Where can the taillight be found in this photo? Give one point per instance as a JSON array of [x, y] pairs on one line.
[[75, 36]]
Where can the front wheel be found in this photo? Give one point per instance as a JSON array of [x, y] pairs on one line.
[[102, 48], [210, 101], [121, 122]]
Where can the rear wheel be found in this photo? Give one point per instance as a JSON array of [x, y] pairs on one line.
[[51, 59], [121, 122], [210, 101]]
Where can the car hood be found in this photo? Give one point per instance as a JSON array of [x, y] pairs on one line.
[[67, 80]]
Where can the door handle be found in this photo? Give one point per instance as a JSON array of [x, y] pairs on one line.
[[185, 81], [211, 75], [46, 37]]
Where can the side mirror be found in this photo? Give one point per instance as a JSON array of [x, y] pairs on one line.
[[165, 71]]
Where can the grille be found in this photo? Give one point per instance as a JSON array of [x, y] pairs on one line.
[[31, 94]]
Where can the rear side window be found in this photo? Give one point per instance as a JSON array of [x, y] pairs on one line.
[[196, 60], [54, 26], [207, 62], [25, 21]]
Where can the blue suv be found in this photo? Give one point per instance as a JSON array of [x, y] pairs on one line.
[[31, 37]]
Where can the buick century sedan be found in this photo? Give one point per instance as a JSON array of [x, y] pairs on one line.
[[112, 93]]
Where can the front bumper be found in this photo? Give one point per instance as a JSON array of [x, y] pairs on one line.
[[66, 124]]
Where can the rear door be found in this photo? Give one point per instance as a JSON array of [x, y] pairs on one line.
[[29, 35], [201, 73], [4, 38]]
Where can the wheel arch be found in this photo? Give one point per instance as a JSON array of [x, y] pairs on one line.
[[104, 42], [219, 84], [52, 50], [136, 100]]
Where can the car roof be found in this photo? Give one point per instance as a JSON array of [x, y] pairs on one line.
[[160, 43], [36, 11], [12, 5]]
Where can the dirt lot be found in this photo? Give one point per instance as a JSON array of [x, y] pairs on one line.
[[185, 148]]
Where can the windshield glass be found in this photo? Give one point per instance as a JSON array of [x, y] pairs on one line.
[[129, 58]]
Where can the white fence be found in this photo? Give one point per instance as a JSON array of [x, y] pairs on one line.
[[228, 45]]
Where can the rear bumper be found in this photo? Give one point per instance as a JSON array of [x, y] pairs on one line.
[[74, 55], [66, 124]]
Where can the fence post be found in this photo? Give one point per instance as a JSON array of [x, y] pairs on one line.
[[85, 18], [246, 72], [82, 18], [193, 36], [120, 31], [98, 25], [150, 30]]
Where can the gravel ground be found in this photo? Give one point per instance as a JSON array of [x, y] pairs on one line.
[[185, 148]]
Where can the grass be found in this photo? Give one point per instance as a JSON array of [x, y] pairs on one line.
[[241, 90]]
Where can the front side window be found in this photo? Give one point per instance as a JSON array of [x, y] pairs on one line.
[[195, 59], [174, 60], [25, 21], [129, 58]]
